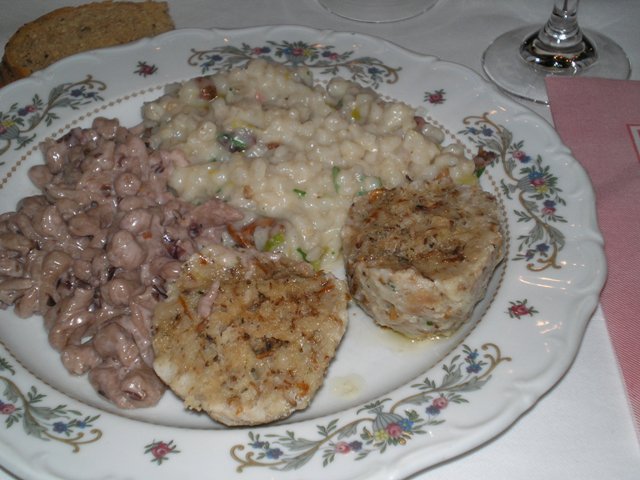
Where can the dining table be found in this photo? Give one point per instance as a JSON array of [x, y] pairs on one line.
[[583, 426]]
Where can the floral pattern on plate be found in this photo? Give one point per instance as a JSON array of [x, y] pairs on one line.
[[326, 59], [382, 424], [60, 423], [18, 122], [439, 401], [532, 183], [160, 450]]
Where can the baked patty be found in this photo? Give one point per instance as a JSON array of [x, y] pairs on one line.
[[247, 337], [418, 258]]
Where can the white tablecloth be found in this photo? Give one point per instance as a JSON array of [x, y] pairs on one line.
[[582, 429]]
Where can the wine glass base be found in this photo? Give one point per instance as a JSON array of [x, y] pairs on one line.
[[505, 67], [377, 11]]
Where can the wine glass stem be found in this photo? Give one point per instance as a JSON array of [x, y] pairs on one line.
[[559, 47], [562, 30]]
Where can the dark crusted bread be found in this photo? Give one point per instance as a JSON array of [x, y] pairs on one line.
[[69, 30]]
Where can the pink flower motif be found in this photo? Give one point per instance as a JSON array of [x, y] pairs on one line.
[[342, 447], [394, 430], [519, 154], [440, 403], [548, 211], [519, 310], [538, 182], [161, 450], [144, 69], [7, 408], [298, 52], [436, 97]]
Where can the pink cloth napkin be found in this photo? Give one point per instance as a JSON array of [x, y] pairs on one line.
[[599, 120]]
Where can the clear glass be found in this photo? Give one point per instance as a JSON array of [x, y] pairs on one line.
[[378, 11], [520, 60]]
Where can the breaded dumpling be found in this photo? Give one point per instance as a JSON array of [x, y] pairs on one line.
[[247, 337], [418, 258]]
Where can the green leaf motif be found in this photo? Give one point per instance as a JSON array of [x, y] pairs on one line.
[[532, 184], [58, 423], [18, 124], [325, 59]]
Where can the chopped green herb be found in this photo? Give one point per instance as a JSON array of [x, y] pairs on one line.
[[316, 264], [274, 242], [335, 171], [300, 193], [232, 142], [302, 253], [372, 184]]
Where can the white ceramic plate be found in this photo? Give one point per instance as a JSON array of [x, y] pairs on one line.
[[389, 407]]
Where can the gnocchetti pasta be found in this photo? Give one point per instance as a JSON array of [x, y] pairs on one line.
[[268, 139]]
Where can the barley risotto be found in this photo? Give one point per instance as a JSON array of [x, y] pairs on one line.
[[267, 138]]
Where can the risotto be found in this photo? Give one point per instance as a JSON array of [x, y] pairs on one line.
[[268, 139]]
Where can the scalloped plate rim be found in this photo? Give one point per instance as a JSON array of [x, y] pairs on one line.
[[492, 427]]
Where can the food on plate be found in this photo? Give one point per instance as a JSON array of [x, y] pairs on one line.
[[419, 257], [220, 212], [246, 336], [93, 250], [267, 138], [70, 30]]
